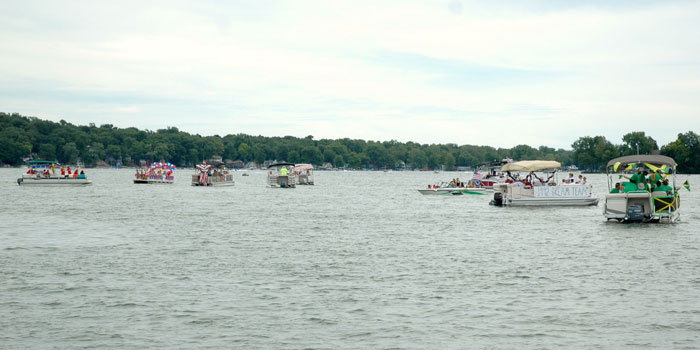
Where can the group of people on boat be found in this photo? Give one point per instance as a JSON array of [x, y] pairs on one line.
[[154, 173], [455, 183], [643, 180], [571, 180], [66, 173]]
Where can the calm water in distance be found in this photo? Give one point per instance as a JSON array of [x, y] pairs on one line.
[[361, 260]]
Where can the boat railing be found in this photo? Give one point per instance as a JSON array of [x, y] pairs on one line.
[[276, 180]]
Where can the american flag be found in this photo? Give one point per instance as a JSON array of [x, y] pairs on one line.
[[476, 179]]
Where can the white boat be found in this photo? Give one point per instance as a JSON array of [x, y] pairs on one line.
[[629, 199], [443, 189], [157, 173], [304, 173], [533, 190], [281, 175], [43, 173], [214, 174]]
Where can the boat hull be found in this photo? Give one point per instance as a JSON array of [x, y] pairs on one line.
[[452, 191], [152, 182], [552, 202], [53, 182], [654, 209], [547, 196]]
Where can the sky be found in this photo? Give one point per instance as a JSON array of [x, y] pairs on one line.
[[498, 73]]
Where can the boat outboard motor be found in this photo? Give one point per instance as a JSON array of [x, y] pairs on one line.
[[283, 181], [635, 213], [497, 199], [19, 181]]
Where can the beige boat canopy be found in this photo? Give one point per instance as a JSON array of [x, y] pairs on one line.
[[531, 165], [657, 160]]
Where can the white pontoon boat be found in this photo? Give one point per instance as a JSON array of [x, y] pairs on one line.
[[43, 173], [641, 198], [304, 173], [281, 175], [214, 174], [533, 190]]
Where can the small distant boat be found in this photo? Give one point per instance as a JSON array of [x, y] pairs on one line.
[[533, 190], [43, 173], [157, 173], [213, 174], [281, 175], [304, 173], [629, 199]]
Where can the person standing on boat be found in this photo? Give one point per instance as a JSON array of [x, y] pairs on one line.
[[283, 171], [636, 178]]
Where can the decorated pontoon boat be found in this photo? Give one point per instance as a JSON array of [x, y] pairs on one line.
[[44, 172], [541, 189], [213, 174], [281, 175], [157, 173], [642, 189]]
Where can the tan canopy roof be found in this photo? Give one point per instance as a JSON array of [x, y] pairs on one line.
[[644, 158], [531, 165]]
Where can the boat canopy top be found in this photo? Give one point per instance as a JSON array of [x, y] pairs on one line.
[[35, 162], [494, 163], [531, 165], [657, 160], [304, 167], [279, 164]]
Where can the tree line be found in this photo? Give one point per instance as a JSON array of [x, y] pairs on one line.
[[23, 137]]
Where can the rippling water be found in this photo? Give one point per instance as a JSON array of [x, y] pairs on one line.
[[359, 261]]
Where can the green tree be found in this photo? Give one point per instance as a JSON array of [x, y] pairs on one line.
[[638, 143]]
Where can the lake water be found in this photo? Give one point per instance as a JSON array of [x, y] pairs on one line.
[[361, 260]]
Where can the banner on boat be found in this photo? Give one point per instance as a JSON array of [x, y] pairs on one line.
[[563, 191]]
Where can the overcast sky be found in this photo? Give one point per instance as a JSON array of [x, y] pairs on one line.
[[497, 73]]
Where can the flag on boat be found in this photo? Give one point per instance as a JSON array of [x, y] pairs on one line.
[[686, 184], [476, 179], [617, 164]]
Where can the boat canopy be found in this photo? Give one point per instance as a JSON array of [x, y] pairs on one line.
[[304, 167], [494, 163], [643, 158], [279, 164], [531, 165], [34, 162]]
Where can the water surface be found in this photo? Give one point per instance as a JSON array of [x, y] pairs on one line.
[[361, 260]]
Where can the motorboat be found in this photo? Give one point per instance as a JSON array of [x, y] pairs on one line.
[[636, 197], [304, 173], [535, 190], [213, 174], [445, 188], [158, 173], [281, 175], [489, 174], [44, 173]]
